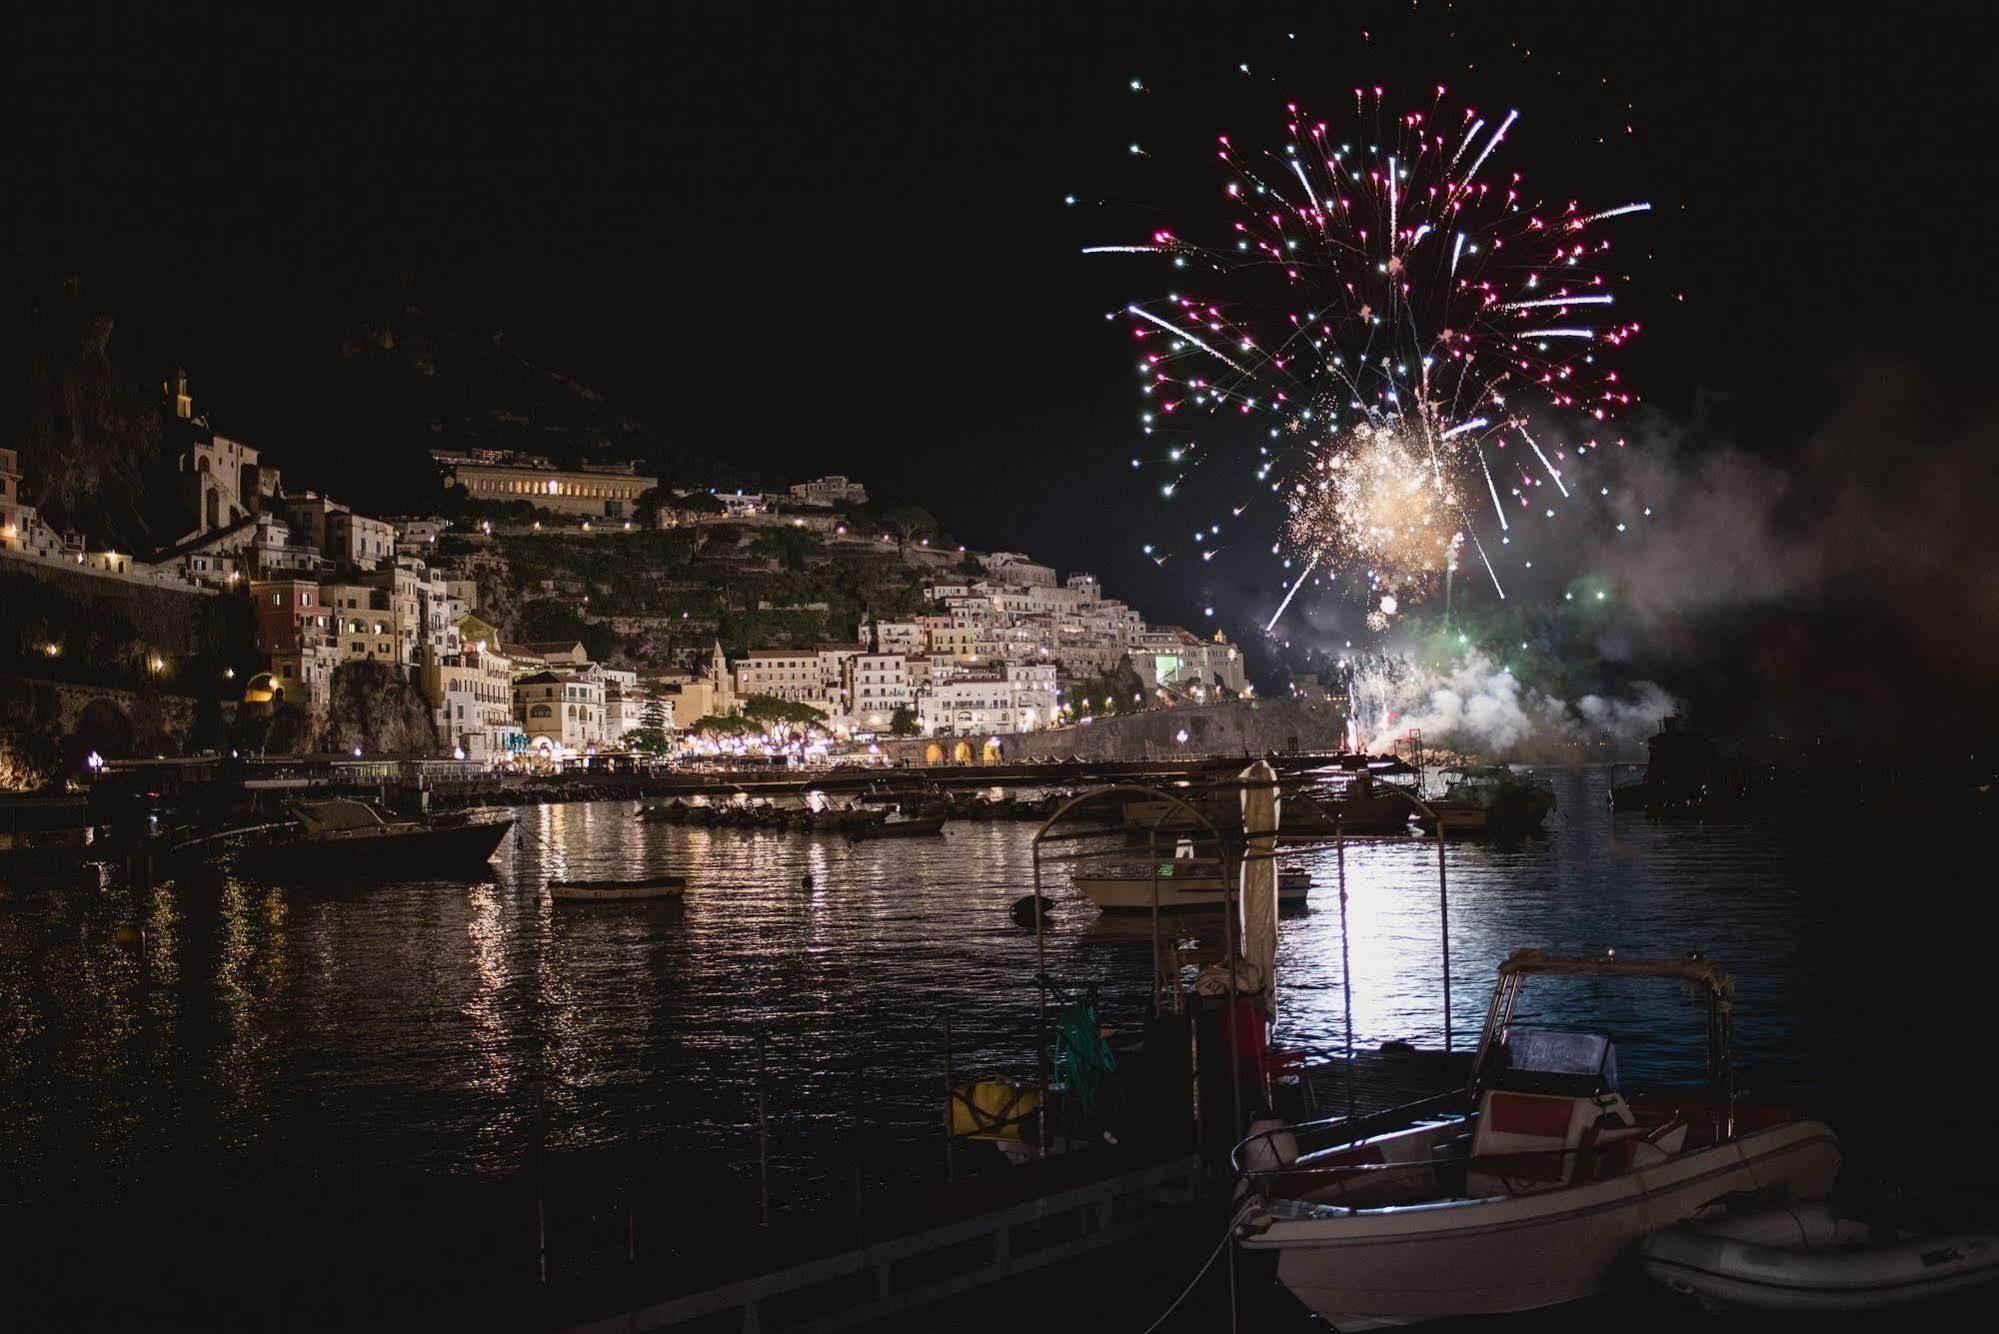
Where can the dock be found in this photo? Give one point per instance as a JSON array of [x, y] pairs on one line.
[[990, 1230]]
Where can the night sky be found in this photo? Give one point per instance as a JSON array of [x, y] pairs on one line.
[[836, 241]]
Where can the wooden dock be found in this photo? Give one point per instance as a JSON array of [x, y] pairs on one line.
[[873, 1282], [990, 1230]]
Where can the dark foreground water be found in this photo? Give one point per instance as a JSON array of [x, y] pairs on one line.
[[444, 1030]]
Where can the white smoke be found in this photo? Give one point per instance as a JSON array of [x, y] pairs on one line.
[[1477, 707]]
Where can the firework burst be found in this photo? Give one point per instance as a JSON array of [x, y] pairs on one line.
[[1420, 333], [1372, 500]]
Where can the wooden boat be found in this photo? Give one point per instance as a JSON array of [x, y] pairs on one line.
[[1809, 1258], [925, 827], [617, 891], [1181, 883], [350, 838], [1532, 1187]]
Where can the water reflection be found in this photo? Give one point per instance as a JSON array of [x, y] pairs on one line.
[[444, 1022]]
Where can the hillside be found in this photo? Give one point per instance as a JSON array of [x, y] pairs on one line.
[[647, 598]]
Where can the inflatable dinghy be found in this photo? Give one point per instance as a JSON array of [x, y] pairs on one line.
[[1808, 1258]]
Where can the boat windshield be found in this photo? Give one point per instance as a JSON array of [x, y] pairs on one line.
[[1539, 1060]]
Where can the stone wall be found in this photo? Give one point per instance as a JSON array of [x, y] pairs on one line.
[[48, 727], [1238, 727]]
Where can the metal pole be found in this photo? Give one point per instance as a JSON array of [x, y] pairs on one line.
[[1041, 1006], [540, 1191], [1152, 847], [1232, 907], [950, 1110], [1444, 930], [1346, 958], [860, 1236], [763, 1133]]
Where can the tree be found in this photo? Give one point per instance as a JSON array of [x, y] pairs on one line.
[[908, 523], [653, 715], [770, 709], [724, 724], [649, 741], [903, 722], [1112, 691]]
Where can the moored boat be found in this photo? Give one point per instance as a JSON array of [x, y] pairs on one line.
[[341, 836], [1528, 1189], [923, 827], [1490, 801], [1812, 1258], [1179, 883], [617, 891]]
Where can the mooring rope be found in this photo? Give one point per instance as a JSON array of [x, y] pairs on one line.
[[1228, 1235]]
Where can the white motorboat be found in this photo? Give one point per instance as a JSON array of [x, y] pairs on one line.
[[1179, 883], [1530, 1187], [1810, 1257]]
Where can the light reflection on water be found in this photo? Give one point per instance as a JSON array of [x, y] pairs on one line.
[[442, 1022]]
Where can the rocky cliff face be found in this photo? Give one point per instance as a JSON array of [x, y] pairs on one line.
[[375, 708], [96, 444]]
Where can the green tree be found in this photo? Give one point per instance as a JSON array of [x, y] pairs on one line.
[[903, 722], [653, 715], [1116, 690], [648, 741], [770, 709]]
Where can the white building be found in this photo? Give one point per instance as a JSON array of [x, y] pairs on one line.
[[899, 636], [624, 703], [784, 673], [1010, 567], [562, 713], [1020, 698], [830, 490], [1036, 697], [472, 694], [877, 685], [1172, 658]]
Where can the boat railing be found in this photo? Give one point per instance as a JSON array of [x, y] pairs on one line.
[[1260, 1158], [1518, 1171], [1342, 1131], [1170, 868]]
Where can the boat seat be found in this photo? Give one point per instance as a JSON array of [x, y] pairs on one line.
[[1528, 1141]]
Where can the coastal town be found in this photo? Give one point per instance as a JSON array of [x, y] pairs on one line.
[[996, 644]]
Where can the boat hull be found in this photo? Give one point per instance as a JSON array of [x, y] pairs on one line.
[[1810, 1259], [1176, 894], [455, 850], [597, 891], [1396, 1266]]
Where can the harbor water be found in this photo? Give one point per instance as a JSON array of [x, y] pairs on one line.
[[458, 1030]]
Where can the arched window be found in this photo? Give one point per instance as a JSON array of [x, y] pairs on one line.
[[540, 711]]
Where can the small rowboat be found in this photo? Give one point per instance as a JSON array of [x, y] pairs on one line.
[[617, 891], [1808, 1258]]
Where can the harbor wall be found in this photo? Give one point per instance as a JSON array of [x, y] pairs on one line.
[[1236, 727]]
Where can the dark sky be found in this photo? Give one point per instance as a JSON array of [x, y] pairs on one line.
[[835, 240]]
